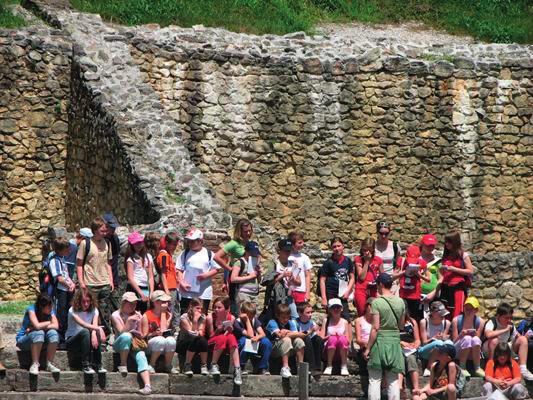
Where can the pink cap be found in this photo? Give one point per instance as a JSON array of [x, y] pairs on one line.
[[194, 234], [135, 237], [429, 240]]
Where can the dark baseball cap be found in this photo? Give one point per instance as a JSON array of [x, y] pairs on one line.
[[384, 279], [252, 248], [110, 220], [285, 244]]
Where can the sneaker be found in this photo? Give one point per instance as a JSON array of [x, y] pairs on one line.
[[102, 370], [214, 370], [188, 369], [88, 370], [526, 374], [465, 373], [344, 371], [427, 372], [327, 371], [237, 377], [123, 369], [264, 372], [479, 373], [146, 390], [175, 370], [286, 372], [34, 369], [204, 370], [52, 368]]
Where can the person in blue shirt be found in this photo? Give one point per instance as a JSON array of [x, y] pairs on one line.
[[285, 338], [39, 326]]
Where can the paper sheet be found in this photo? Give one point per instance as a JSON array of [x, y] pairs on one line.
[[343, 285], [252, 264], [191, 277], [251, 347]]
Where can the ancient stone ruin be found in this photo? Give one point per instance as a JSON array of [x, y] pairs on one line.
[[200, 126]]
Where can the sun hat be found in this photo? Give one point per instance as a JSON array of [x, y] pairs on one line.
[[334, 303], [159, 295], [473, 301], [86, 232], [130, 297], [194, 234], [135, 237]]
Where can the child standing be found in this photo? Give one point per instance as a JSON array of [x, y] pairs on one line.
[[65, 283], [302, 264], [444, 381], [411, 271], [367, 266], [337, 277], [466, 332], [139, 269], [247, 326], [220, 332], [191, 339], [503, 373], [246, 274], [84, 335], [168, 274], [337, 332], [314, 343], [285, 338], [39, 326]]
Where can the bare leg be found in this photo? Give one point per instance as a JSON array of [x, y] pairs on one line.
[[203, 357], [235, 357], [463, 356], [153, 357], [285, 360], [124, 358], [414, 380], [145, 376], [216, 356], [189, 355], [520, 347], [300, 355], [51, 351], [344, 356], [330, 354], [169, 355], [36, 351]]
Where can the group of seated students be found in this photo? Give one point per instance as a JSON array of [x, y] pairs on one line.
[[164, 309]]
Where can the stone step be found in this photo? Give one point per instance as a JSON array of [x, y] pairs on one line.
[[17, 380]]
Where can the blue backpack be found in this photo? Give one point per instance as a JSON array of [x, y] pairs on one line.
[[47, 283]]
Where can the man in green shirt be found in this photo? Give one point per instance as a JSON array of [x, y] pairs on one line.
[[383, 351]]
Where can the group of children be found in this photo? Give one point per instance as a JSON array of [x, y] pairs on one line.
[[165, 308]]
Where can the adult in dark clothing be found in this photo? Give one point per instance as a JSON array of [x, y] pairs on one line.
[[113, 241]]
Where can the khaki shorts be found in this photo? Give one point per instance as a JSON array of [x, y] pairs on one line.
[[286, 346], [242, 297]]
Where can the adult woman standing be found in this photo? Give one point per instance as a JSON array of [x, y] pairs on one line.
[[367, 266], [456, 270], [387, 250]]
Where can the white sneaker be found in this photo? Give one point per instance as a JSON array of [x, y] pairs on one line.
[[123, 369], [34, 369], [327, 371], [151, 370], [427, 372], [344, 371], [214, 369], [285, 372], [146, 390], [526, 374], [175, 370], [88, 370], [204, 370], [102, 370], [52, 368]]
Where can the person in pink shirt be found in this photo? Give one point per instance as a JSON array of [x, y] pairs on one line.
[[338, 334]]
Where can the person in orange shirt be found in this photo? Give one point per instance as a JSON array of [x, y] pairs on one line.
[[503, 373], [168, 276]]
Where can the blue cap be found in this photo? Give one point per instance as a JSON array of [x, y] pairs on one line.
[[384, 278], [252, 248], [110, 220]]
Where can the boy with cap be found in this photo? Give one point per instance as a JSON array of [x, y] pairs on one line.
[[411, 271], [384, 352], [434, 332], [246, 274], [445, 380], [196, 269], [466, 332]]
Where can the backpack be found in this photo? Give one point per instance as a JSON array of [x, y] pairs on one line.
[[460, 318], [493, 319], [232, 287], [187, 251], [47, 283]]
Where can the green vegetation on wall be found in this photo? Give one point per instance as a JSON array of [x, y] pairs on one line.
[[489, 20], [7, 19]]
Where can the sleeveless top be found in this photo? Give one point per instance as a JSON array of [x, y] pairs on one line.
[[433, 330], [338, 329], [154, 322], [366, 327]]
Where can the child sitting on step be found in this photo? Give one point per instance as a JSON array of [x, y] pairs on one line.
[[337, 332], [220, 332], [191, 339]]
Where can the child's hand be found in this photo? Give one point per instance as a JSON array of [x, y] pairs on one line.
[[196, 316], [243, 317], [254, 338], [201, 277], [144, 298], [185, 286]]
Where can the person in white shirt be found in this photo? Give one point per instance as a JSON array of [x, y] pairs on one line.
[[302, 262], [196, 268]]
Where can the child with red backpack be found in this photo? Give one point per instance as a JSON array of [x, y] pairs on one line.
[[411, 270]]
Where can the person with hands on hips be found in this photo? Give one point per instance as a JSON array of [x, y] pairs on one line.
[[337, 277]]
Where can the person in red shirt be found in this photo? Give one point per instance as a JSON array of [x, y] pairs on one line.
[[367, 267], [456, 274], [411, 270], [503, 373]]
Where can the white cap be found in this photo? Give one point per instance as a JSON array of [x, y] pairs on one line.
[[334, 302], [194, 234], [86, 232]]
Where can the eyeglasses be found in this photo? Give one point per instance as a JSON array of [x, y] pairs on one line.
[[384, 233]]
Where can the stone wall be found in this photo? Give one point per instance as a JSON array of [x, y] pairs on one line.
[[301, 133], [34, 97]]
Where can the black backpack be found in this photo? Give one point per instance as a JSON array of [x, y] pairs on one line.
[[47, 283]]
